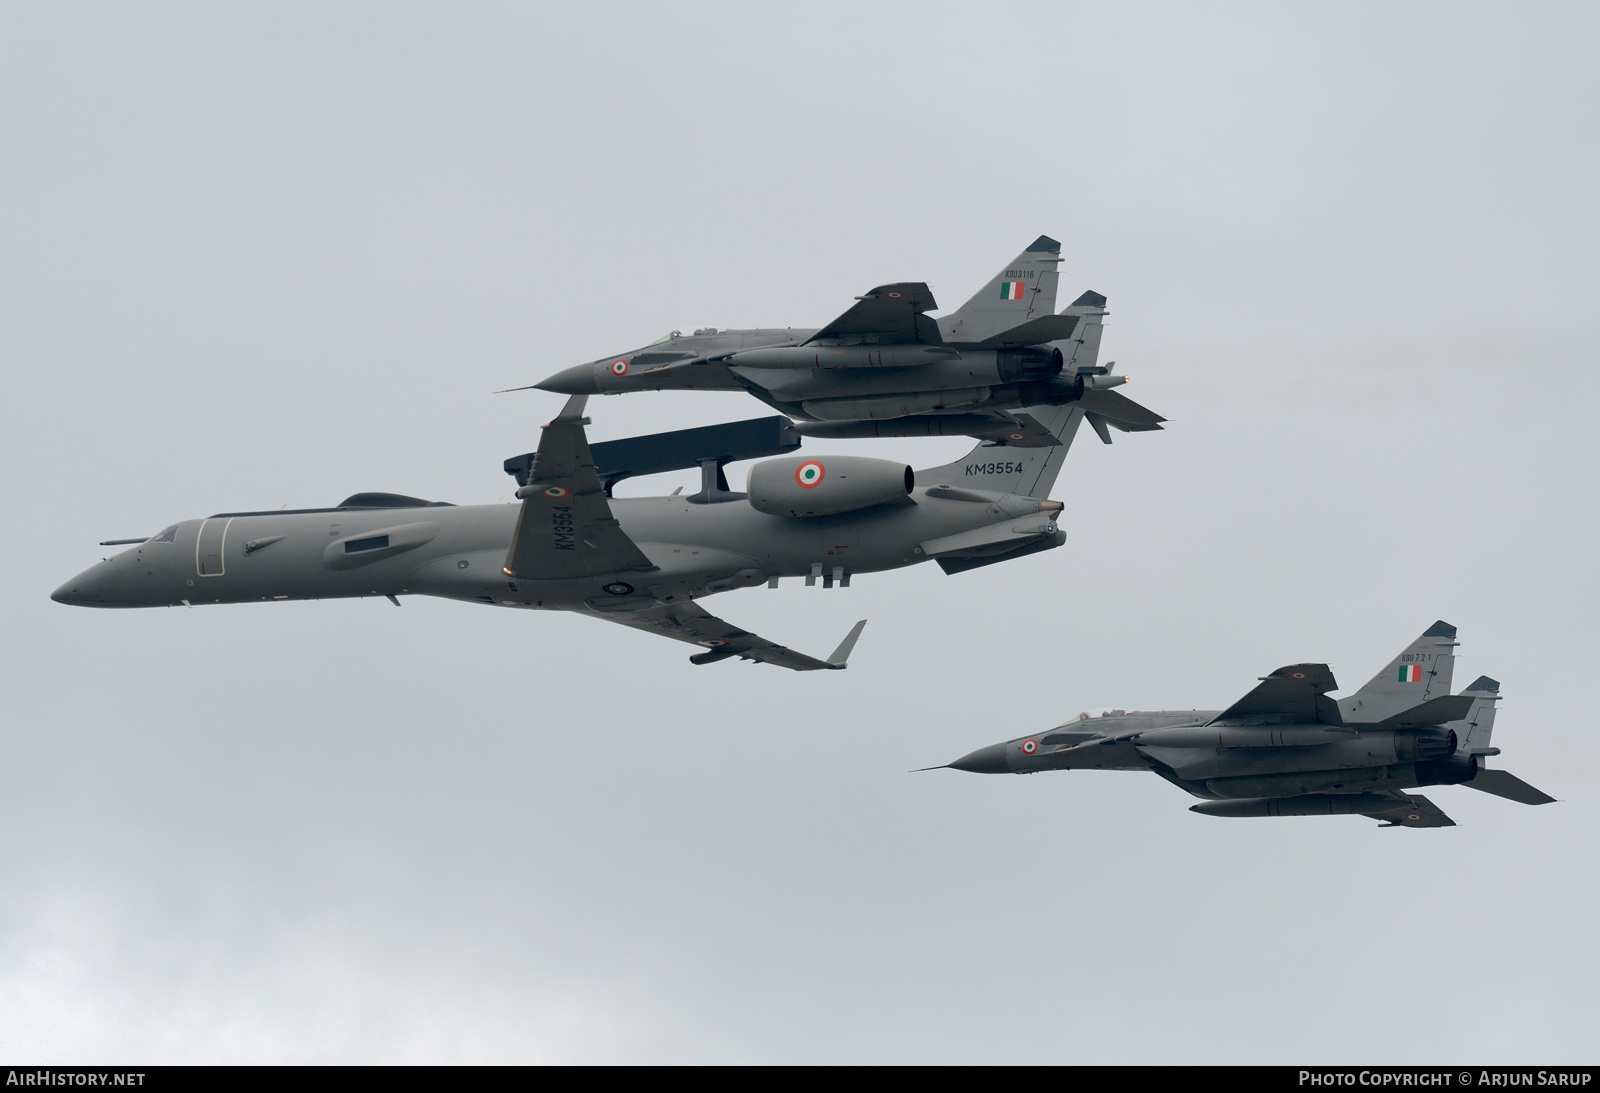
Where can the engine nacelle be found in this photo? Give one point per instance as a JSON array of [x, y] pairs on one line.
[[822, 487]]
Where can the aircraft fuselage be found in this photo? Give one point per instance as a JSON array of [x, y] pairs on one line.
[[459, 552]]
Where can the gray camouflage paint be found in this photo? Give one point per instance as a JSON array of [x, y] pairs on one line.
[[1286, 750]]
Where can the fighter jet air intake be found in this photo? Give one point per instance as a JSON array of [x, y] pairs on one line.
[[1287, 749]]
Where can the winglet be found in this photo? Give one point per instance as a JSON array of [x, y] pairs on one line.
[[842, 654], [572, 411]]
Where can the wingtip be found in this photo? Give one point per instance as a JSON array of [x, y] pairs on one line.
[[573, 410], [842, 654]]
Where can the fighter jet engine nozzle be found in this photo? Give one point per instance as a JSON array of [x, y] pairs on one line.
[[1424, 745], [807, 486], [1449, 771], [1029, 363]]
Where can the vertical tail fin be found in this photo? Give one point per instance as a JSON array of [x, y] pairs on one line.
[[1422, 671], [1025, 289], [1485, 693], [1082, 351], [1027, 472], [1032, 472]]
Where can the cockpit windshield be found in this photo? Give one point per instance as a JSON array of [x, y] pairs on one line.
[[165, 536], [1104, 711]]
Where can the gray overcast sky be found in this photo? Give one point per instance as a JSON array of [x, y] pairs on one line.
[[254, 255]]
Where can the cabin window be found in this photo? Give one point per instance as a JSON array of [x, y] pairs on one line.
[[356, 546]]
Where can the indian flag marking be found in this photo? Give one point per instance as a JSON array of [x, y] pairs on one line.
[[1410, 673], [809, 475], [1011, 290]]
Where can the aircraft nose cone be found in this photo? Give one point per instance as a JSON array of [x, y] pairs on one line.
[[78, 592], [989, 760], [577, 380]]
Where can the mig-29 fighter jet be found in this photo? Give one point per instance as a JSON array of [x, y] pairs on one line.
[[1287, 749], [885, 368], [642, 562]]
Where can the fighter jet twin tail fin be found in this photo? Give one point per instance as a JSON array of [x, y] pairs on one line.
[[1016, 308]]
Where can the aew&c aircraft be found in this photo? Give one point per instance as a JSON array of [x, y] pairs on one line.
[[641, 562]]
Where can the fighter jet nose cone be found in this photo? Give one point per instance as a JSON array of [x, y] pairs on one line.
[[989, 760], [577, 380]]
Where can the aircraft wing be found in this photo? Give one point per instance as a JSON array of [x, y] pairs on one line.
[[890, 314], [692, 623], [1413, 810], [1292, 695], [566, 528]]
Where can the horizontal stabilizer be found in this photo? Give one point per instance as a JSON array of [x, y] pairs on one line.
[[1045, 328], [1507, 785], [1435, 711], [1122, 412], [1004, 532]]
